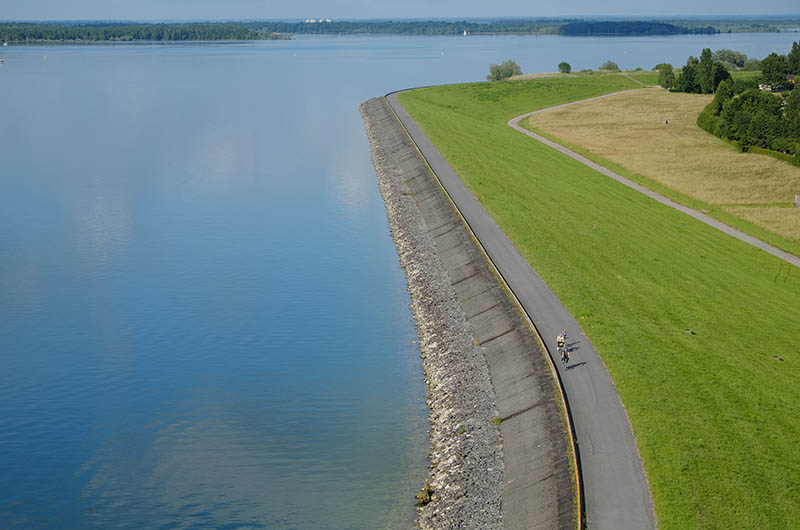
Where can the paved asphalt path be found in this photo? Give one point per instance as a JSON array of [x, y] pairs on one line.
[[514, 123], [616, 493]]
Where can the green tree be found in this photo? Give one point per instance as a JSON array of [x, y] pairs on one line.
[[737, 112], [610, 65], [730, 58], [794, 59], [564, 67], [687, 81], [791, 107], [774, 69], [762, 129], [666, 76], [718, 74], [503, 70], [704, 72], [725, 92]]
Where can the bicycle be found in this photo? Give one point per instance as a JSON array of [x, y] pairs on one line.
[[565, 356]]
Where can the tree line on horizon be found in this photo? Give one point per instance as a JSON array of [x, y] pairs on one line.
[[29, 32], [632, 28], [21, 32]]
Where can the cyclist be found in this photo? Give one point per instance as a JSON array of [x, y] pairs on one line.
[[565, 355]]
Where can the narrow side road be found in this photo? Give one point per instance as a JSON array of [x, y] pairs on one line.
[[616, 493], [719, 225]]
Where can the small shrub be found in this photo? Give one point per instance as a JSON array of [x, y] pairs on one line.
[[498, 72], [610, 65], [564, 67], [497, 421], [424, 495]]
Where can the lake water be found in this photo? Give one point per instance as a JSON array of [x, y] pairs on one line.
[[202, 318]]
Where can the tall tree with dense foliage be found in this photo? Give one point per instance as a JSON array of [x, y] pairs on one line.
[[687, 81], [498, 72], [793, 59], [666, 76], [774, 69], [705, 72], [564, 67]]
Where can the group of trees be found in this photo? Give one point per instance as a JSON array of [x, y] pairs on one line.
[[699, 76], [704, 75], [102, 31], [733, 60], [756, 118], [23, 32], [631, 28], [775, 68]]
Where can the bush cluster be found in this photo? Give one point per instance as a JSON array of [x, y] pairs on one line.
[[498, 72], [751, 117], [755, 118]]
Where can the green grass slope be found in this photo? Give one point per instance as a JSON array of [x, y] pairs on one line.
[[717, 419]]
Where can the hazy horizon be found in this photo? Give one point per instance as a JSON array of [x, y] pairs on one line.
[[213, 10], [677, 16]]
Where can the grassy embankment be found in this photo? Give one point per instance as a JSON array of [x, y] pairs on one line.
[[627, 133], [715, 416]]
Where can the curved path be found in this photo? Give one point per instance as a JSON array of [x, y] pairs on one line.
[[615, 492], [514, 123]]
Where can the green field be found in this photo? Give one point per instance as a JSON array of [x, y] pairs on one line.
[[648, 78], [716, 417]]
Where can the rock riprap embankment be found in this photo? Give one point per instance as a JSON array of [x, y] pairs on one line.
[[481, 361], [466, 448]]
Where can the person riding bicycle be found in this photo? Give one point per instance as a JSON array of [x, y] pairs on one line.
[[565, 355], [561, 340]]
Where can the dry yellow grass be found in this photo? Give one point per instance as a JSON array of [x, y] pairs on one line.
[[629, 130]]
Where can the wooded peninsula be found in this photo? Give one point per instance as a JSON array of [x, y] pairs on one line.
[[43, 32]]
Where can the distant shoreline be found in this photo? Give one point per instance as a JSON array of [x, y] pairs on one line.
[[126, 31]]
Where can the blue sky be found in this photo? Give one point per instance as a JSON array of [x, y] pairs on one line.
[[269, 9]]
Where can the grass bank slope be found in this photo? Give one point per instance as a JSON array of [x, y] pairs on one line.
[[715, 416], [629, 131]]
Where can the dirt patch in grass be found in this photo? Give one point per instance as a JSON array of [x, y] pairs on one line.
[[653, 133]]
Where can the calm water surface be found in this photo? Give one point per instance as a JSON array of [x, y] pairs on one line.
[[202, 318]]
